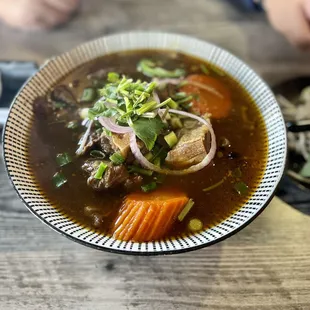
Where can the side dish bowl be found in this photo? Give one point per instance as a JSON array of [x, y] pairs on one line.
[[19, 122]]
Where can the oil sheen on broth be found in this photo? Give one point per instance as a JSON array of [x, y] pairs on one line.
[[242, 160]]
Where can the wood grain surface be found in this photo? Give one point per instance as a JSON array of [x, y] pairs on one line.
[[265, 266]]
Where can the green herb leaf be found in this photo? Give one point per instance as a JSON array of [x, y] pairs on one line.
[[148, 68], [63, 159], [241, 188], [59, 179], [147, 130]]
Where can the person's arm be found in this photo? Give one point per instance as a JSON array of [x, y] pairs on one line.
[[36, 14], [292, 19]]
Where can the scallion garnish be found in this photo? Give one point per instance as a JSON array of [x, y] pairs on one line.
[[149, 68], [97, 154], [171, 139], [241, 188], [195, 225], [149, 187], [185, 210], [59, 179], [88, 95], [136, 169], [63, 159], [113, 77], [100, 171], [204, 69], [117, 158], [214, 185]]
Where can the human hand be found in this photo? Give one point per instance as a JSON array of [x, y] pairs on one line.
[[36, 14], [292, 19]]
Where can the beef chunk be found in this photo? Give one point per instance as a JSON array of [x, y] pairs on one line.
[[133, 182], [107, 145], [114, 175], [122, 142], [62, 93], [191, 146]]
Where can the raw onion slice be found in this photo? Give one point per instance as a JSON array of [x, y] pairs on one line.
[[111, 126], [206, 161]]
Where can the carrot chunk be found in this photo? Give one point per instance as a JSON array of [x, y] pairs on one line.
[[148, 216], [212, 95]]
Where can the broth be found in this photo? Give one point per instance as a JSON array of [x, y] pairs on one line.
[[243, 128]]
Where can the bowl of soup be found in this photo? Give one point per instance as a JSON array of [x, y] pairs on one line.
[[145, 143]]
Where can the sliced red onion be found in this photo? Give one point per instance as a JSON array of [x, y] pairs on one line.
[[206, 161], [111, 126]]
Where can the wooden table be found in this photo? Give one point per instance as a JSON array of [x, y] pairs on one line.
[[265, 266]]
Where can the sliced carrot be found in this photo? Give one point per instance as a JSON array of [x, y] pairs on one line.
[[213, 95], [148, 216]]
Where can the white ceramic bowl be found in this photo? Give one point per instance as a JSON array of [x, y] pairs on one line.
[[17, 129]]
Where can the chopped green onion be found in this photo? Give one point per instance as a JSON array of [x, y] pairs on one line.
[[117, 158], [148, 68], [180, 95], [185, 210], [237, 173], [214, 186], [176, 123], [149, 156], [172, 104], [100, 171], [72, 125], [241, 188], [84, 113], [204, 69], [88, 95], [171, 139], [97, 154], [107, 132], [113, 77], [59, 179], [149, 187], [149, 106], [195, 225], [218, 71], [185, 100], [156, 162], [135, 169], [63, 159]]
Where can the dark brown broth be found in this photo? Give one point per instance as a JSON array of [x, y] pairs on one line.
[[49, 138]]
